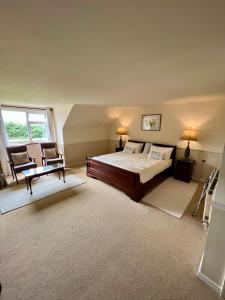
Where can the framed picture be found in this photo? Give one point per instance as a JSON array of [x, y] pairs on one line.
[[151, 122]]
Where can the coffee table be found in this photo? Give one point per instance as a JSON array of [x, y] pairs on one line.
[[40, 171]]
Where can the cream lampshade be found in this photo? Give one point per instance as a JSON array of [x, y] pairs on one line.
[[121, 131], [188, 135]]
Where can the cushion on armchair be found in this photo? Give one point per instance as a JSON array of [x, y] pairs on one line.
[[20, 158], [50, 153]]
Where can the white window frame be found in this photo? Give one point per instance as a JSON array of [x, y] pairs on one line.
[[29, 123]]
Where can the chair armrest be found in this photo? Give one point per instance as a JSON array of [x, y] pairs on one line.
[[11, 163], [33, 158]]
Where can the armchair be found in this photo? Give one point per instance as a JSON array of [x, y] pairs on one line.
[[18, 168], [47, 159]]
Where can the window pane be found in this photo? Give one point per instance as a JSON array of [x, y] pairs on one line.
[[37, 117], [39, 132], [16, 126]]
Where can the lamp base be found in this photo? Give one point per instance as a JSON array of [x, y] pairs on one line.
[[120, 142], [187, 152]]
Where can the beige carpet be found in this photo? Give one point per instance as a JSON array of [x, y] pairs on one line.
[[16, 195], [172, 196], [93, 242]]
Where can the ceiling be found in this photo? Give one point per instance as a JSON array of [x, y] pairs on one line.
[[112, 52]]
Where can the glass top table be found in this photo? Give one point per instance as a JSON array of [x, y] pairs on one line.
[[41, 171]]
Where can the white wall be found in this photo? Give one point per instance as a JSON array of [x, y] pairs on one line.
[[87, 125], [61, 113], [212, 267], [208, 118], [87, 131]]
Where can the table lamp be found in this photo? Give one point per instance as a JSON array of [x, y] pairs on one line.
[[188, 135], [121, 131]]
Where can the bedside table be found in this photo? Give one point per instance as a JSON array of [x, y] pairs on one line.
[[119, 149], [184, 169]]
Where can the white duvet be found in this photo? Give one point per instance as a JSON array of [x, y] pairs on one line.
[[138, 163]]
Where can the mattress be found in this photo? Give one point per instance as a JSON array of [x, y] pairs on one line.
[[138, 163]]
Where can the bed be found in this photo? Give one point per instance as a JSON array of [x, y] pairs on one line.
[[133, 174]]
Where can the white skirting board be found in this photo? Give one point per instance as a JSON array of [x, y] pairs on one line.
[[208, 281], [223, 290]]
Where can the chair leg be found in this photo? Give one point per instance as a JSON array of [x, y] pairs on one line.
[[12, 171], [16, 178]]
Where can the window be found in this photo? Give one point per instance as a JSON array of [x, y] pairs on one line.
[[25, 125]]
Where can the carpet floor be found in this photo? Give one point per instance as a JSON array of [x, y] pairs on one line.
[[93, 242]]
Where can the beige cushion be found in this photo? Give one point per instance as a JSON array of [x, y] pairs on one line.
[[128, 149], [50, 153], [136, 146], [20, 158]]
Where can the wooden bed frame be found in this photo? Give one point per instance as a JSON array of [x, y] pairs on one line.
[[127, 181]]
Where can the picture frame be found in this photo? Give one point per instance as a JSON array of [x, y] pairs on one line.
[[151, 122]]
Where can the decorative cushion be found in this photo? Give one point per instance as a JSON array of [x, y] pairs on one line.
[[128, 149], [147, 148], [157, 155], [20, 158], [136, 146], [50, 153], [166, 151]]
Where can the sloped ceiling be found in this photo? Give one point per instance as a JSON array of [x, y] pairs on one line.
[[92, 115], [89, 123], [111, 52]]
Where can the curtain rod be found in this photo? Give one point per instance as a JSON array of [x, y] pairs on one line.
[[29, 107]]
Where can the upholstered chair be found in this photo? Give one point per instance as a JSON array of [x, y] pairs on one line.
[[50, 154], [16, 155]]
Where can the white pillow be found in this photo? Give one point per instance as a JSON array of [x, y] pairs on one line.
[[166, 151], [147, 148], [128, 149], [136, 146], [157, 155]]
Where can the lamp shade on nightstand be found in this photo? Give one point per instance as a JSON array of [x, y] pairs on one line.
[[188, 135], [121, 131]]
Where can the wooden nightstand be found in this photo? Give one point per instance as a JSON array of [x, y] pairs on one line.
[[184, 169], [119, 149]]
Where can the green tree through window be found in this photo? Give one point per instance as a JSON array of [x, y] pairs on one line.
[[23, 126], [16, 131]]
